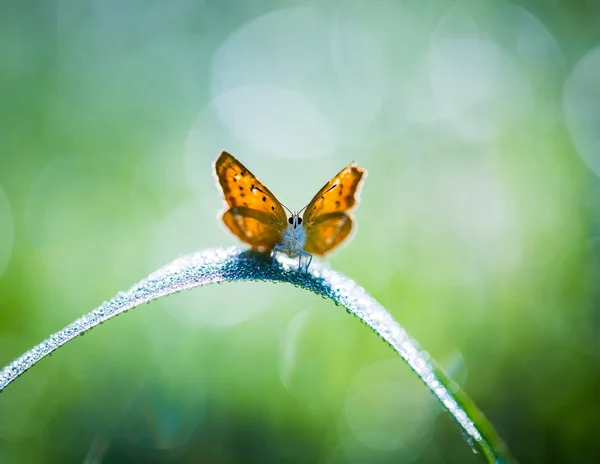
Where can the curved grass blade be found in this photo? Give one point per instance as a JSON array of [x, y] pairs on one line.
[[231, 265]]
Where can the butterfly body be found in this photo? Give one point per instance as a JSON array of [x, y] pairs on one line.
[[294, 236], [256, 217], [293, 240]]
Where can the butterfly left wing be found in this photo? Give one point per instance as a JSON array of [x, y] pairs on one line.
[[327, 232], [254, 215], [327, 221]]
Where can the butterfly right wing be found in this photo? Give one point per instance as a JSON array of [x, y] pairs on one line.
[[327, 219], [253, 215]]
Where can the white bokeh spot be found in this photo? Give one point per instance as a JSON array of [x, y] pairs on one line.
[[582, 109], [467, 72], [385, 411], [275, 121]]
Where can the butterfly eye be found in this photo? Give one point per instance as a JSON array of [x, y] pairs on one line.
[[291, 220], [299, 220]]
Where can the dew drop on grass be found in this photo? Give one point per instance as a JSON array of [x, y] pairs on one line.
[[469, 439]]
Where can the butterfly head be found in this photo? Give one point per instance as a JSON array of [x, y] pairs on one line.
[[295, 220]]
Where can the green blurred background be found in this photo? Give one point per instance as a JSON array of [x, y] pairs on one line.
[[479, 226]]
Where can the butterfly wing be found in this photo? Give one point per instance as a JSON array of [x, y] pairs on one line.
[[327, 232], [327, 221], [253, 214]]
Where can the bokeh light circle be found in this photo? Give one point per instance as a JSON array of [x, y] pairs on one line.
[[289, 347], [581, 103], [263, 97], [386, 410], [481, 82], [275, 121], [352, 69], [301, 354], [466, 72]]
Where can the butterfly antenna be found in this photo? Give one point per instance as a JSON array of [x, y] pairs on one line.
[[303, 208], [324, 193], [289, 211]]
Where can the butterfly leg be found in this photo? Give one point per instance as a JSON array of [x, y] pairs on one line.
[[302, 253]]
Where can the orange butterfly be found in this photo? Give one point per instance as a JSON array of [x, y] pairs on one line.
[[256, 217]]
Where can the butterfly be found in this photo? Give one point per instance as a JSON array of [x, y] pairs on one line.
[[258, 218]]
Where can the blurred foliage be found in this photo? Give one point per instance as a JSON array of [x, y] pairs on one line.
[[479, 123]]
